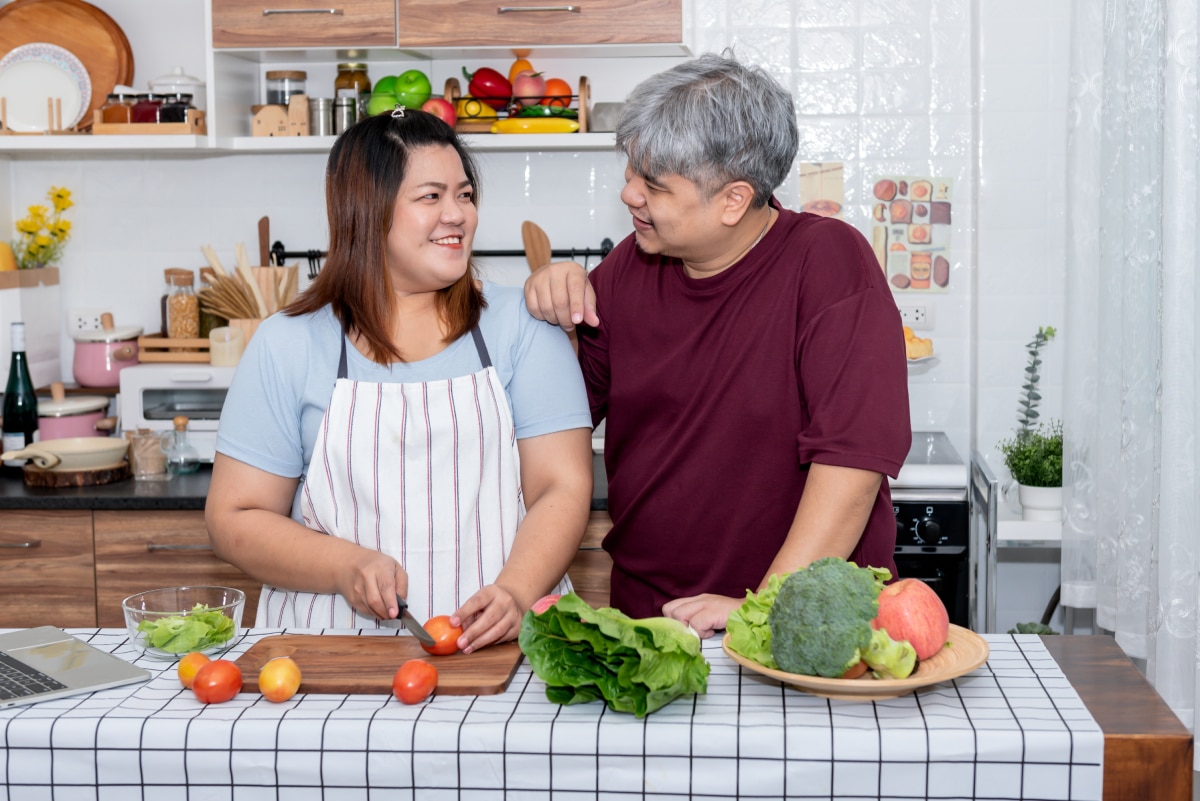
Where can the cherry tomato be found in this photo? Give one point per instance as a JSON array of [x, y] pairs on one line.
[[188, 666], [217, 682], [558, 93], [414, 681], [279, 679], [445, 636]]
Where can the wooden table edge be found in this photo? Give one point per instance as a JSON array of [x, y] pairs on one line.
[[1147, 750]]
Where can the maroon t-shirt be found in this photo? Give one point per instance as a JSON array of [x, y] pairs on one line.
[[720, 392]]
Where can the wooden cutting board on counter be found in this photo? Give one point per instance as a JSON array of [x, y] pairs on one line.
[[365, 664]]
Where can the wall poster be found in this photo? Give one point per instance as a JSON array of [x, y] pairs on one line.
[[910, 231], [821, 188]]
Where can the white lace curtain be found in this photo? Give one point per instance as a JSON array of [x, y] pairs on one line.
[[1130, 392]]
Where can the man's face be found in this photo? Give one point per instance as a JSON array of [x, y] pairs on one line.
[[671, 217]]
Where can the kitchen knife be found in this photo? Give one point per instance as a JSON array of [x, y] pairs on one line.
[[410, 623]]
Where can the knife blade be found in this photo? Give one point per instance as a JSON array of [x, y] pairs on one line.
[[410, 623]]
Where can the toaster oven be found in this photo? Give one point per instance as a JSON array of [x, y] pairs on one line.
[[153, 395]]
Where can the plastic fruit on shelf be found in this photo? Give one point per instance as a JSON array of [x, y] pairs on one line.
[[412, 88], [381, 102], [442, 108]]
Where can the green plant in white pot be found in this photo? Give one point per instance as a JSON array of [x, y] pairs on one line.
[[1034, 454]]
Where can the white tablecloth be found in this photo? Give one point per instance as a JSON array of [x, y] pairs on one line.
[[1013, 729]]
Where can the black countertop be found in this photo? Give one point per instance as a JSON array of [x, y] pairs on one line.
[[180, 492]]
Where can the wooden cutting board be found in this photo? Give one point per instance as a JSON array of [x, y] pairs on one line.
[[35, 476], [365, 664], [91, 35]]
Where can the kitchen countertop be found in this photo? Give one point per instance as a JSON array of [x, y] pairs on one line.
[[180, 492]]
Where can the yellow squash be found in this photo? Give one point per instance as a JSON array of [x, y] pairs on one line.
[[535, 125]]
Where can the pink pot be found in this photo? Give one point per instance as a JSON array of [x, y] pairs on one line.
[[60, 417], [100, 356]]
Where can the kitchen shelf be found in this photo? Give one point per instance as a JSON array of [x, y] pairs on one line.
[[116, 143]]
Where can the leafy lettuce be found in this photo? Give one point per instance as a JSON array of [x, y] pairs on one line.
[[749, 633], [181, 634], [586, 654]]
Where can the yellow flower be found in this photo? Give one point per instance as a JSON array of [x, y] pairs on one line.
[[43, 234], [61, 197]]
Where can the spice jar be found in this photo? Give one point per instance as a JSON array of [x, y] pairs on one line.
[[146, 108], [118, 108], [183, 308], [175, 107], [181, 456], [282, 84], [352, 81]]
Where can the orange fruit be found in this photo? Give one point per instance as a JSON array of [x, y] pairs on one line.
[[279, 679], [517, 66], [558, 93], [188, 666]]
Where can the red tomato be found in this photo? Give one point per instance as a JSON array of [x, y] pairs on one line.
[[414, 681], [189, 665], [558, 93], [445, 636], [216, 682]]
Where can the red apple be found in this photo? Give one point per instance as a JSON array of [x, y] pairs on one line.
[[528, 87], [544, 603], [910, 610], [440, 107]]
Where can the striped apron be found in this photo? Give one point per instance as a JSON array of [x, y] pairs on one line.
[[428, 473]]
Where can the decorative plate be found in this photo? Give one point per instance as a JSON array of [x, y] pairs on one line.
[[32, 74], [963, 652]]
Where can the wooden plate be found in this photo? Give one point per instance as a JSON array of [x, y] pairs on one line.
[[963, 652], [88, 33]]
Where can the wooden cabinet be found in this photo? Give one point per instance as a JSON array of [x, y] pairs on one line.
[[512, 23], [143, 550], [592, 566], [46, 568], [303, 23]]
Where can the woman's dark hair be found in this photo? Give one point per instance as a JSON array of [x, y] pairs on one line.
[[362, 180]]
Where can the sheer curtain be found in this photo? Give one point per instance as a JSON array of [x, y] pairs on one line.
[[1130, 537]]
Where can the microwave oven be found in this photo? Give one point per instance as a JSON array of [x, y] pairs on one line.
[[153, 395]]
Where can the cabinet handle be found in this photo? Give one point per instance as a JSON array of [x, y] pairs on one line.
[[150, 546], [269, 11], [515, 9], [26, 544]]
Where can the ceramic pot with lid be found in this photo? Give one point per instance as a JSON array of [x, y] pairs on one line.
[[77, 416], [101, 355], [179, 82]]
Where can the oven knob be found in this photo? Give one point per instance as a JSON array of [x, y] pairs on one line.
[[928, 529]]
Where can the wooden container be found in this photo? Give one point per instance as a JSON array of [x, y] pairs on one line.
[[195, 125], [157, 348]]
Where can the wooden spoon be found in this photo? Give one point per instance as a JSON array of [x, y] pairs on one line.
[[537, 245]]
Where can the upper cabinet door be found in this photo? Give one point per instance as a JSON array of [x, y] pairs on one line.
[[512, 23], [303, 23]]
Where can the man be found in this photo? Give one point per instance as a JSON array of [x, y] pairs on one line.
[[749, 360]]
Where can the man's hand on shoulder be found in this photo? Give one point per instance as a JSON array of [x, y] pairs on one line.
[[560, 293], [705, 613]]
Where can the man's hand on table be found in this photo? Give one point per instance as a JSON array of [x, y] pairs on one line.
[[560, 293], [706, 613]]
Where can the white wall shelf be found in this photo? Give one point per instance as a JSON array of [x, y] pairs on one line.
[[1017, 533]]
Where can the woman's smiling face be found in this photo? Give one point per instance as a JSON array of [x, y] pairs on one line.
[[433, 222]]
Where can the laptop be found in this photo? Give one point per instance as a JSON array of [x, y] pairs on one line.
[[46, 662]]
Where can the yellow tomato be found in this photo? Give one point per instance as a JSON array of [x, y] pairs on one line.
[[188, 666], [279, 679], [517, 66], [470, 109]]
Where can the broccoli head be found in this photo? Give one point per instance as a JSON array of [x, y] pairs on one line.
[[821, 619], [889, 659]]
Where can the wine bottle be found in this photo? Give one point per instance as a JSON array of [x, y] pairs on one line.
[[20, 418]]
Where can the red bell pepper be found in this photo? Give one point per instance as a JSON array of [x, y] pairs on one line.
[[489, 86]]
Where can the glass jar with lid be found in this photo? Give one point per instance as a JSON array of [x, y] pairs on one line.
[[182, 458], [146, 107], [282, 84], [118, 108], [183, 307], [352, 81], [175, 107]]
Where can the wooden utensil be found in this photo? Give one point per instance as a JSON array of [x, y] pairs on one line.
[[366, 663], [264, 242], [537, 245]]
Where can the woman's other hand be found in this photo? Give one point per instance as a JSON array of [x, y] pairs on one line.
[[489, 616], [370, 583]]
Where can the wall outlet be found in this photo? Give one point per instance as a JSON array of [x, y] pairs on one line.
[[80, 320], [917, 316]]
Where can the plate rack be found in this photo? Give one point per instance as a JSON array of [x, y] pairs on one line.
[[53, 120]]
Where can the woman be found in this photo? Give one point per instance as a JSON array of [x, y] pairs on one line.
[[403, 428]]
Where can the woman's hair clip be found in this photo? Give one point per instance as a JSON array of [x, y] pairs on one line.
[[398, 112]]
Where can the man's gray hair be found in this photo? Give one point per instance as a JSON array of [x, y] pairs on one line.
[[711, 120]]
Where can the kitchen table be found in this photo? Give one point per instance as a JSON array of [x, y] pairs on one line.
[[1015, 728]]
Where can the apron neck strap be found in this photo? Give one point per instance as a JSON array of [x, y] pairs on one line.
[[480, 348]]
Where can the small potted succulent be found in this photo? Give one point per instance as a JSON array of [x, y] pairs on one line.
[[1034, 454]]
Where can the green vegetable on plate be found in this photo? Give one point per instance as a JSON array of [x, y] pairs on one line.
[[634, 665], [181, 634]]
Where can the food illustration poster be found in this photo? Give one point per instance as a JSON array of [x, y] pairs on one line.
[[821, 189], [910, 231]]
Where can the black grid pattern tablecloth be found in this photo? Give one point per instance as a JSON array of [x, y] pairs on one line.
[[1013, 729]]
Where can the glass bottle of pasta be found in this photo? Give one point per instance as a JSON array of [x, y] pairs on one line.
[[352, 81], [183, 307]]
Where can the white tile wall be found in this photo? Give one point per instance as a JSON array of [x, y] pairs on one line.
[[972, 90]]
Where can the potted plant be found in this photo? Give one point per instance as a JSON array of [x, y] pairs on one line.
[[1034, 454]]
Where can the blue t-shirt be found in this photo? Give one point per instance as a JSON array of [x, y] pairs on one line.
[[285, 379]]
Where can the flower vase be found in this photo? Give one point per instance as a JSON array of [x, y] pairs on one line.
[[1040, 503]]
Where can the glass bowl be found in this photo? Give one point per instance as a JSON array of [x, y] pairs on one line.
[[170, 622]]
